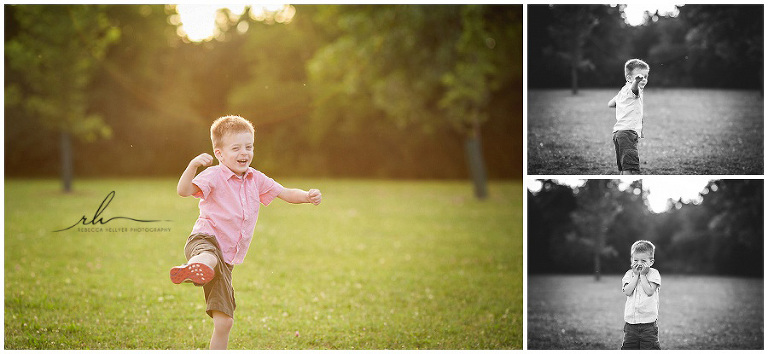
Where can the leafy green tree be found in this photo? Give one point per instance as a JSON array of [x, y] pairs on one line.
[[274, 92], [52, 53], [144, 89], [152, 91], [418, 67]]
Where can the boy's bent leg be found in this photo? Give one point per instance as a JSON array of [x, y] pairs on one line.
[[198, 273], [202, 255], [207, 258], [222, 325], [202, 248], [219, 293]]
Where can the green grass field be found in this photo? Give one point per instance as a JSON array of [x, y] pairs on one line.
[[696, 312], [379, 265], [687, 131]]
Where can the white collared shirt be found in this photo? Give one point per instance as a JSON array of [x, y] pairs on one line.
[[641, 308], [629, 110]]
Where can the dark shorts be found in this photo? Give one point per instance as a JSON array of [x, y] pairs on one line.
[[641, 336], [625, 142], [219, 294]]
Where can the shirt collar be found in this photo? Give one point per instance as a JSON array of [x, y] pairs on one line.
[[229, 174]]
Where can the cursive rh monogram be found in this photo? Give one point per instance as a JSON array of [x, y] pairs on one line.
[[103, 206]]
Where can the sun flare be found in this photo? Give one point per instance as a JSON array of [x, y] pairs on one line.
[[203, 22], [659, 191], [635, 13]]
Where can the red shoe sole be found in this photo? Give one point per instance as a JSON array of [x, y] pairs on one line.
[[197, 273]]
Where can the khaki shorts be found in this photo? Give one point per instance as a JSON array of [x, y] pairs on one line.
[[219, 294]]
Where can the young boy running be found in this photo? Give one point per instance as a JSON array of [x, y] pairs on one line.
[[231, 193], [629, 116]]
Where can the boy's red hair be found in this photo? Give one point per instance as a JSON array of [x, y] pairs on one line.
[[229, 125]]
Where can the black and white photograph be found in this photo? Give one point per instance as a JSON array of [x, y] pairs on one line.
[[673, 262], [645, 89]]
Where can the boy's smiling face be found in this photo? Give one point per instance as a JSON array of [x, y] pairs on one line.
[[642, 258], [236, 152]]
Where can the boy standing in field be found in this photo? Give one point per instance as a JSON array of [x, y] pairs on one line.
[[230, 195], [641, 311], [629, 116]]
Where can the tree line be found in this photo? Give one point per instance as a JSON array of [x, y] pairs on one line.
[[589, 229], [715, 46], [400, 91]]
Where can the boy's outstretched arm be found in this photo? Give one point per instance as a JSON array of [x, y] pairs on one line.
[[185, 188], [298, 196], [612, 103], [636, 84]]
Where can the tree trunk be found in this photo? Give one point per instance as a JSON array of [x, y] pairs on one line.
[[575, 60], [574, 79], [474, 151], [66, 161], [597, 266]]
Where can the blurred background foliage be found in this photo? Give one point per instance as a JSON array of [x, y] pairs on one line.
[[589, 228], [337, 91], [703, 46]]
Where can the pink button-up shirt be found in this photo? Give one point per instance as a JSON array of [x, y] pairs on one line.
[[229, 207]]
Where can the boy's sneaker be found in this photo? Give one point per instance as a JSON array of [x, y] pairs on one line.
[[197, 273]]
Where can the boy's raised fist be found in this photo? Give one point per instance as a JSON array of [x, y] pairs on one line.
[[202, 160]]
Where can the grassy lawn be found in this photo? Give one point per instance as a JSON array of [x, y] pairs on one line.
[[687, 131], [379, 265], [696, 312]]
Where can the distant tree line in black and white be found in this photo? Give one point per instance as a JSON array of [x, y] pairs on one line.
[[713, 46], [590, 229]]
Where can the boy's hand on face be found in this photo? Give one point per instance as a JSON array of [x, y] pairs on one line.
[[315, 197], [645, 270], [641, 81], [202, 160], [637, 269]]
